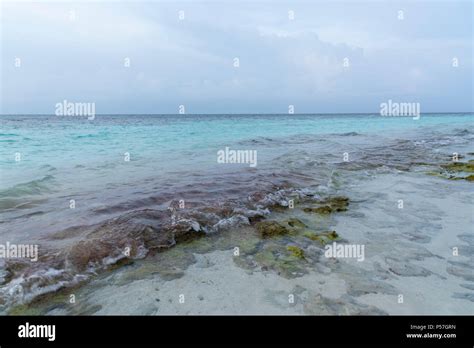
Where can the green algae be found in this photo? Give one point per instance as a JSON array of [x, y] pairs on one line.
[[322, 237], [45, 303], [296, 223], [455, 170], [270, 229], [467, 167], [324, 210], [329, 205], [296, 251], [247, 241], [331, 235], [200, 245], [338, 204], [276, 258], [24, 309]]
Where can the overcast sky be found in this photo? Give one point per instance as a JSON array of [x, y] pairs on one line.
[[77, 52]]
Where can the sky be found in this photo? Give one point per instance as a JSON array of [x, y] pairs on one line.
[[319, 56]]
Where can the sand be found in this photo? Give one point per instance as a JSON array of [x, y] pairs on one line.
[[408, 252]]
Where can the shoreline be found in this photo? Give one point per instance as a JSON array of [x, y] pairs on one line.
[[351, 202], [213, 281]]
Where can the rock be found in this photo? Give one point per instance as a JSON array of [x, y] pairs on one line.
[[296, 252], [329, 205], [275, 258], [331, 235], [454, 170], [293, 222], [338, 203], [270, 229], [322, 237], [319, 210], [459, 166]]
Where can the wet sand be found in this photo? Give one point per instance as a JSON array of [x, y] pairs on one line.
[[407, 252]]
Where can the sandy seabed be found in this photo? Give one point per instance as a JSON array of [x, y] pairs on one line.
[[408, 252]]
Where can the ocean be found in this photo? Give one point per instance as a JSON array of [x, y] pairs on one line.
[[86, 190]]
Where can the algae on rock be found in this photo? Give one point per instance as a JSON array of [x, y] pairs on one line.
[[322, 237], [294, 222], [270, 229], [455, 170], [296, 251], [329, 205]]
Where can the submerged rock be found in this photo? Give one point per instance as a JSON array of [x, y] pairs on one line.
[[102, 246], [296, 252], [322, 237], [270, 229], [319, 210], [338, 203], [329, 205], [294, 222], [455, 170], [276, 259], [131, 235], [459, 166]]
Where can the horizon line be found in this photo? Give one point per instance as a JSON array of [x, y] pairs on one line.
[[230, 113]]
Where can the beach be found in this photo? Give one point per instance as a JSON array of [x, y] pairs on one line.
[[160, 226]]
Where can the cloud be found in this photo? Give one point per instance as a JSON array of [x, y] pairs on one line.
[[190, 61]]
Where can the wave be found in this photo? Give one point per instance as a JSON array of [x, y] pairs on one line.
[[130, 236], [91, 135], [34, 187], [461, 132], [348, 134]]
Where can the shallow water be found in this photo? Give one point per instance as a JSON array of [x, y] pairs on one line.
[[300, 157], [64, 158]]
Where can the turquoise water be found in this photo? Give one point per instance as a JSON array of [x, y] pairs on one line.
[[158, 142], [64, 158]]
